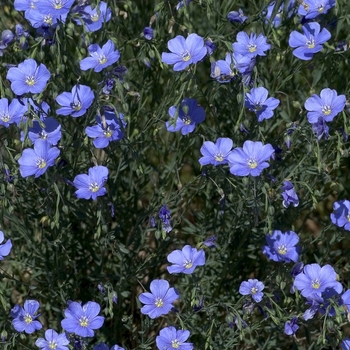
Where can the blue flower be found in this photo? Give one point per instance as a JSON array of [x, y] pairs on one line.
[[236, 16], [25, 5], [322, 304], [170, 338], [341, 214], [54, 7], [251, 159], [91, 186], [36, 161], [252, 287], [251, 46], [185, 117], [100, 58], [276, 21], [314, 280], [11, 113], [210, 242], [281, 246], [24, 320], [103, 346], [44, 21], [345, 344], [4, 248], [75, 103], [159, 301], [48, 129], [184, 51], [290, 327], [310, 42], [258, 103], [321, 128], [28, 77], [289, 195], [185, 260], [94, 18], [181, 4], [216, 153], [108, 128], [53, 341], [82, 320], [312, 8], [148, 33], [326, 106]]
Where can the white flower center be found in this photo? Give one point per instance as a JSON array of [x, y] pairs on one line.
[[52, 344], [30, 80], [188, 264], [40, 163], [28, 318], [48, 20], [76, 106], [310, 43], [84, 321], [254, 290], [93, 187], [316, 284], [252, 163], [159, 302], [95, 17], [326, 110], [282, 249], [219, 157], [57, 4], [186, 56], [252, 47], [102, 59], [5, 117], [175, 344]]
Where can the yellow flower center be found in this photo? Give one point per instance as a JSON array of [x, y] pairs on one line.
[[5, 118], [348, 217], [254, 290], [108, 133], [316, 284], [95, 17], [188, 264], [27, 318], [175, 344], [159, 302], [30, 80], [252, 164], [57, 5], [84, 321], [320, 8], [32, 6], [41, 163], [52, 344], [186, 56], [252, 47], [94, 187], [76, 106], [310, 44], [219, 157], [282, 249], [48, 20], [102, 59], [326, 110]]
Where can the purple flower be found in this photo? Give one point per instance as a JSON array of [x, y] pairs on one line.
[[82, 320], [316, 279], [170, 338], [236, 16], [159, 301], [210, 46], [11, 113], [210, 242], [251, 159], [290, 327], [282, 246], [184, 51], [24, 320], [91, 186], [164, 215], [54, 7], [321, 129], [251, 46], [216, 153], [326, 106], [345, 344], [28, 77], [53, 341], [4, 248], [49, 130], [341, 214], [185, 260], [258, 103], [108, 129], [100, 58], [182, 4], [310, 42], [312, 8], [185, 117], [252, 287], [288, 194], [94, 18], [321, 304], [75, 103], [297, 269], [148, 33], [36, 161]]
